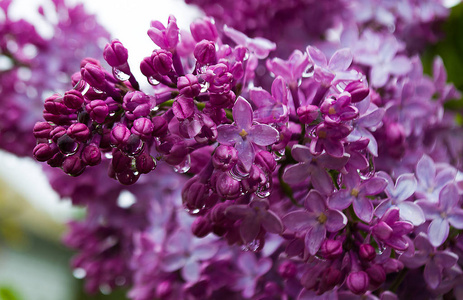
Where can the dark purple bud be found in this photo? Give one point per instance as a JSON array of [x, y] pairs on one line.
[[127, 177], [357, 90], [54, 104], [43, 152], [205, 52], [376, 274], [91, 155], [367, 252], [201, 226], [79, 132], [287, 269], [98, 110], [218, 213], [393, 265], [73, 165], [75, 80], [120, 162], [94, 76], [358, 282], [133, 100], [224, 158], [115, 54], [228, 187], [224, 100], [266, 161], [42, 130], [330, 277], [73, 99], [57, 132], [143, 127], [134, 145], [161, 61], [56, 161], [204, 29], [105, 142], [188, 85], [331, 249], [145, 163], [164, 290], [147, 68], [395, 134], [308, 114], [177, 154], [256, 179], [159, 126], [183, 108], [194, 194]]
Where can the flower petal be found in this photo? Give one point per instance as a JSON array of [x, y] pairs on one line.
[[340, 200], [405, 186], [432, 274], [228, 134], [245, 153], [426, 171], [314, 238], [249, 228], [373, 186], [455, 218], [299, 220], [297, 173], [341, 60], [242, 114], [301, 153], [363, 208], [315, 202], [411, 212], [336, 220], [272, 223], [263, 135], [190, 272], [438, 231]]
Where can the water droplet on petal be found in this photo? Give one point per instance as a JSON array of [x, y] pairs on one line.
[[105, 289], [184, 166], [238, 172], [79, 273], [121, 76], [82, 86], [265, 190], [153, 81], [98, 91], [308, 72], [251, 246], [204, 86], [108, 155]]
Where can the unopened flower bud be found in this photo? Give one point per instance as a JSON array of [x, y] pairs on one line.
[[147, 68], [98, 110], [393, 265], [227, 187], [382, 230], [120, 162], [287, 269], [376, 274], [183, 108], [79, 132], [145, 163], [357, 90], [159, 126], [330, 277], [358, 282], [224, 100], [188, 86], [331, 249], [54, 105], [224, 158], [266, 161], [308, 114], [66, 144], [142, 127], [57, 132], [201, 226], [115, 54], [194, 194], [94, 76], [161, 61], [205, 52], [367, 252], [73, 99], [127, 177], [73, 165], [91, 155], [42, 130], [119, 135], [204, 29], [164, 289], [43, 152]]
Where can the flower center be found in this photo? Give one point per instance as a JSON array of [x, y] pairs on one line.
[[243, 134], [354, 192], [322, 218], [322, 134], [332, 111]]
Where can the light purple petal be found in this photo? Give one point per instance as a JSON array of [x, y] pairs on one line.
[[315, 202], [272, 223], [242, 114], [237, 36], [317, 56], [455, 218], [341, 60], [429, 209], [363, 208], [432, 274], [399, 65], [191, 271], [405, 187], [260, 97], [334, 147], [299, 220], [261, 47], [422, 243], [301, 153], [263, 135], [173, 261], [238, 211], [336, 220], [247, 263], [448, 197], [340, 200], [438, 231], [411, 212], [263, 266], [444, 177], [297, 173], [249, 228], [372, 118], [314, 238], [379, 76], [322, 181], [279, 90], [446, 258], [204, 251], [246, 153], [179, 241], [228, 134], [426, 171], [373, 186], [329, 162], [157, 37]]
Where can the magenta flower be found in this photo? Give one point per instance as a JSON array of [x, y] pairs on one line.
[[443, 214], [356, 193], [290, 70], [259, 46], [245, 134], [316, 221], [271, 108], [391, 231], [330, 138], [165, 38]]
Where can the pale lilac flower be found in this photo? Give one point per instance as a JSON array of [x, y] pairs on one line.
[[316, 221], [271, 108], [391, 231], [443, 214], [397, 194], [245, 134], [259, 46], [435, 261], [251, 270], [356, 193], [290, 70]]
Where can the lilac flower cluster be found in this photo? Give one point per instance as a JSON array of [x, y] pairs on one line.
[[339, 181], [28, 58]]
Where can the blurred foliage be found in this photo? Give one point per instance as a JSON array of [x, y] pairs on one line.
[[450, 48], [8, 293]]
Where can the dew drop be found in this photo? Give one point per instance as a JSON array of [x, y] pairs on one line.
[[98, 91], [308, 72], [238, 172], [79, 273], [105, 289], [108, 155], [82, 86], [153, 81], [265, 190], [184, 166], [251, 246], [204, 86], [121, 76]]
